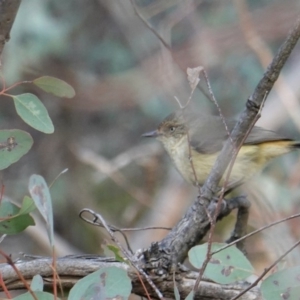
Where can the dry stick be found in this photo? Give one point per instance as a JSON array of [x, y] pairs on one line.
[[121, 230], [127, 255], [144, 287], [213, 99], [161, 39], [11, 263], [112, 228], [4, 288], [150, 26], [266, 271], [53, 266]]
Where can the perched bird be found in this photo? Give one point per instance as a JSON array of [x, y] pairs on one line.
[[206, 135]]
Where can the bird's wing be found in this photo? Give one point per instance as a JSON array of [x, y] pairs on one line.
[[260, 135], [211, 134]]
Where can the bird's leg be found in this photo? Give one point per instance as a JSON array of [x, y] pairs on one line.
[[240, 228]]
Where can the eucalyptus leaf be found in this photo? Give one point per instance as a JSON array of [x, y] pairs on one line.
[[284, 284], [13, 145], [40, 194], [55, 86], [226, 266], [12, 221], [107, 283], [33, 112]]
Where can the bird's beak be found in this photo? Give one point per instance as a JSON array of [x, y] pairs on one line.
[[153, 133]]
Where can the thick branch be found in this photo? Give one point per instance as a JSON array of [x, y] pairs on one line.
[[184, 231], [71, 269], [8, 12]]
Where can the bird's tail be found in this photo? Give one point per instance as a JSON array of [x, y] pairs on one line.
[[295, 145]]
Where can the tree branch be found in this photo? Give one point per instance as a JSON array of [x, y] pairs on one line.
[[8, 9], [72, 268]]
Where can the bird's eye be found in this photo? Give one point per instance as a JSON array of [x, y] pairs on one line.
[[172, 128]]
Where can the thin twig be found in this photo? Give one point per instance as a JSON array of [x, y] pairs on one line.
[[213, 99], [256, 231], [11, 263], [164, 43], [129, 257], [213, 224], [266, 271], [121, 230]]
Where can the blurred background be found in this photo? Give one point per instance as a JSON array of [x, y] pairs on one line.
[[125, 81]]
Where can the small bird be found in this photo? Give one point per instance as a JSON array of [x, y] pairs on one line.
[[206, 135]]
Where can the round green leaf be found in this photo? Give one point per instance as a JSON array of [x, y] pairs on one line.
[[107, 283], [226, 266], [33, 112], [55, 86], [11, 222], [284, 284], [13, 145]]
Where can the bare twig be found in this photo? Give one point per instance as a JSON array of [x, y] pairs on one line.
[[162, 40], [121, 230], [19, 274], [257, 231], [266, 271], [130, 258]]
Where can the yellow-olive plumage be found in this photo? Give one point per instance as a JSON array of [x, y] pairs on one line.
[[207, 135]]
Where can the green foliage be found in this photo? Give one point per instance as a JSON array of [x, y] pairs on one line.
[[13, 145], [13, 219], [54, 86], [106, 283], [33, 112], [116, 251], [226, 266], [284, 284], [27, 206], [37, 283], [40, 194]]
